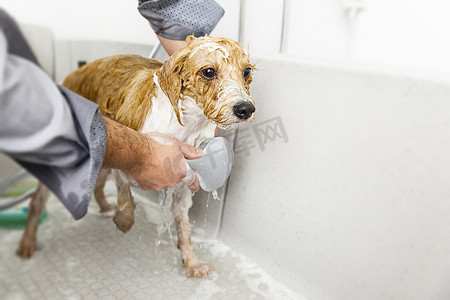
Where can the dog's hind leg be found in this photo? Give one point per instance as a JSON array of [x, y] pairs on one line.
[[182, 201], [124, 217], [106, 209], [27, 244]]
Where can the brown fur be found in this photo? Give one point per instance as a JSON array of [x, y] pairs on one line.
[[27, 244], [117, 85], [123, 86], [124, 217], [99, 193]]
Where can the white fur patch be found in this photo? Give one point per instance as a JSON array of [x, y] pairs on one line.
[[162, 119]]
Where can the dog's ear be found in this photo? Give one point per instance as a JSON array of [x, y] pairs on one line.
[[170, 77]]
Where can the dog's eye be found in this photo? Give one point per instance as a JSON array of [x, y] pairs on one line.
[[209, 73], [247, 72]]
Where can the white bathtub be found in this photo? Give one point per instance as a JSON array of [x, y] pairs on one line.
[[341, 186], [353, 201]]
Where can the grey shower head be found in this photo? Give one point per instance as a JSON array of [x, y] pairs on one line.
[[214, 167]]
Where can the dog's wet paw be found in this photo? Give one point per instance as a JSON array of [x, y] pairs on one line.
[[199, 269], [26, 248], [124, 220]]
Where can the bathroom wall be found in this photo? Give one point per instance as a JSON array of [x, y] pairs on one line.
[[111, 20], [407, 34], [410, 34], [341, 185]]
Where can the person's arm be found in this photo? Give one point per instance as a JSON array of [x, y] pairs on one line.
[[58, 136], [48, 131], [173, 21], [171, 45]]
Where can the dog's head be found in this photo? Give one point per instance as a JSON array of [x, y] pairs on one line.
[[216, 73]]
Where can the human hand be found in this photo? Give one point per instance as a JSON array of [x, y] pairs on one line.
[[164, 162], [150, 161]]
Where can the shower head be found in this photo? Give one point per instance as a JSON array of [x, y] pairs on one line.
[[214, 167]]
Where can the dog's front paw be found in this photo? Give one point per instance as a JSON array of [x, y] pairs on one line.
[[198, 269], [26, 248], [124, 220]]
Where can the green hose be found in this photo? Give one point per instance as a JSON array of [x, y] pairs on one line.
[[14, 190]]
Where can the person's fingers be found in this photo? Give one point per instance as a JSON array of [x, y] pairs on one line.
[[174, 165], [152, 187], [195, 186], [157, 188], [191, 179], [189, 152]]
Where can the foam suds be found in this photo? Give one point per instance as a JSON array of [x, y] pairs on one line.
[[212, 47], [243, 272], [208, 289]]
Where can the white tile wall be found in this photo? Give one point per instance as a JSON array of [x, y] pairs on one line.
[[403, 33], [70, 52], [261, 25]]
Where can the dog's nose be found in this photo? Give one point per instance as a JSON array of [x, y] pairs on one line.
[[244, 110]]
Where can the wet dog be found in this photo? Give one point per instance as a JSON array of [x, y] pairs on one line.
[[200, 87]]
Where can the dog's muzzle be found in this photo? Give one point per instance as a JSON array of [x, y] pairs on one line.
[[244, 110]]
